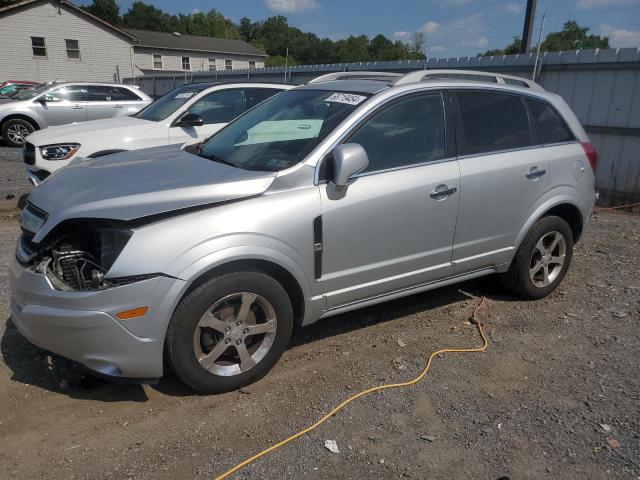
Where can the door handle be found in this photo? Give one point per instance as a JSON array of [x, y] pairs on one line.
[[442, 191], [117, 106], [535, 172], [77, 107]]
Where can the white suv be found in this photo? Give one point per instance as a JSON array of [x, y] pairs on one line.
[[187, 114]]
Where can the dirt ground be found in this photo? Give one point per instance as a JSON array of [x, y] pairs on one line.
[[556, 395]]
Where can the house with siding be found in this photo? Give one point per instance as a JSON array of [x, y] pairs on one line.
[[45, 40]]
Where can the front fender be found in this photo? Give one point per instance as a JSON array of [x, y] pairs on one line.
[[202, 265]]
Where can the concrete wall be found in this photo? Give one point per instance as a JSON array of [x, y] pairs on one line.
[[601, 86], [102, 51], [172, 59]]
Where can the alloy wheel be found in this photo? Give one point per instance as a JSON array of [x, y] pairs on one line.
[[547, 259], [17, 133], [235, 334]]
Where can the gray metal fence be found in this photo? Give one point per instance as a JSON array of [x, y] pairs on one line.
[[601, 86]]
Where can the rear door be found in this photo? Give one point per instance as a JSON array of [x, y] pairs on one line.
[[504, 176], [62, 105], [393, 228]]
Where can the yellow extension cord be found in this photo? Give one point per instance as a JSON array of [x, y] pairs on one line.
[[354, 397]]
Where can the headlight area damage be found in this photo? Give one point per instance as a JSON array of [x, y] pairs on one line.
[[77, 254]]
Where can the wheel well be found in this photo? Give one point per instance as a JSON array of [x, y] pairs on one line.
[[280, 274], [21, 117], [570, 214]]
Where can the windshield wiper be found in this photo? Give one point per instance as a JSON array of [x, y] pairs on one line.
[[215, 158]]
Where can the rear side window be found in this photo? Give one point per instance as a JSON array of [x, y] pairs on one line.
[[408, 132], [551, 127], [121, 94], [492, 122]]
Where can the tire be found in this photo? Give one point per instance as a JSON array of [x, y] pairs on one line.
[[15, 129], [528, 276], [204, 325]]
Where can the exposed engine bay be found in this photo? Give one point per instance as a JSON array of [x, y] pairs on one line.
[[76, 255]]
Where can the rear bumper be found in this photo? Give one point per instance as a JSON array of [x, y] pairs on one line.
[[82, 325]]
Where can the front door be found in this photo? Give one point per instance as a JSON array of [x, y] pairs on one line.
[[65, 104], [503, 177], [393, 228]]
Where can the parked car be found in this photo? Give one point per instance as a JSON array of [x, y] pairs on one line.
[[11, 87], [207, 258], [187, 114], [59, 104]]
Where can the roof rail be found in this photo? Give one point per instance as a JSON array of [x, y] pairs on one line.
[[359, 75], [420, 75]]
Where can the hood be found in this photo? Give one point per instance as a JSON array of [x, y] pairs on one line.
[[131, 185], [79, 132]]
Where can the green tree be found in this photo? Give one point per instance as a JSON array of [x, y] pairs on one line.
[[248, 30], [106, 10], [211, 24], [147, 17], [573, 37]]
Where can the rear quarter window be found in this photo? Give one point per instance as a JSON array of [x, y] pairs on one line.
[[492, 122], [551, 127]]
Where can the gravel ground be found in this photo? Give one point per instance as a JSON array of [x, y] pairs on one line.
[[555, 396], [13, 181]]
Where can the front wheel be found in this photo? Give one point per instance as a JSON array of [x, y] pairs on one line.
[[15, 131], [542, 259], [229, 332]]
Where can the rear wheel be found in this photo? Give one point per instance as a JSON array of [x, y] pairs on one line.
[[229, 332], [542, 259], [15, 131]]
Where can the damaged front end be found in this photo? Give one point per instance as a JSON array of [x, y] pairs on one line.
[[77, 254]]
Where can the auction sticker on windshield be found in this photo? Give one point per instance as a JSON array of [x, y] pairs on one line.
[[348, 98], [184, 95]]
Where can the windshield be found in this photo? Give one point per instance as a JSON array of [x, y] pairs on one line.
[[282, 131], [31, 93], [169, 103]]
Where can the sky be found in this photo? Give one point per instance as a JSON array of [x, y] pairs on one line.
[[452, 28]]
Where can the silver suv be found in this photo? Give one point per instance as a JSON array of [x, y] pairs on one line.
[[62, 103], [346, 192]]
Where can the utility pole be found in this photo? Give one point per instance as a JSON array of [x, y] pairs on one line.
[[535, 64], [286, 65], [529, 15]]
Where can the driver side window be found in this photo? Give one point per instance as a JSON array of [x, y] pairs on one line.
[[410, 131], [219, 107], [73, 93]]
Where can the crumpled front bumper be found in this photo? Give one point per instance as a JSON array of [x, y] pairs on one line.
[[82, 326]]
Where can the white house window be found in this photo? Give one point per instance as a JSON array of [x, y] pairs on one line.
[[73, 49], [186, 63], [252, 65], [212, 64], [157, 61], [38, 46], [228, 64]]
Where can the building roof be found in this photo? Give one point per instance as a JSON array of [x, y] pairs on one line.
[[192, 42], [144, 38]]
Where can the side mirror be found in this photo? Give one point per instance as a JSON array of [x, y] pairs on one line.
[[349, 159], [190, 120]]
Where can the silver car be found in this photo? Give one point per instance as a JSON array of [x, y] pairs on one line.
[[349, 191], [62, 103]]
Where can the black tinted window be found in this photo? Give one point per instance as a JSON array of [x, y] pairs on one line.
[[551, 127], [254, 96], [492, 122], [121, 94], [219, 107], [96, 93], [408, 132]]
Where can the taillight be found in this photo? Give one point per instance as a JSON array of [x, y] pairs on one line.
[[591, 153]]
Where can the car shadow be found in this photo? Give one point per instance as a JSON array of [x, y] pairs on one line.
[[31, 365]]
